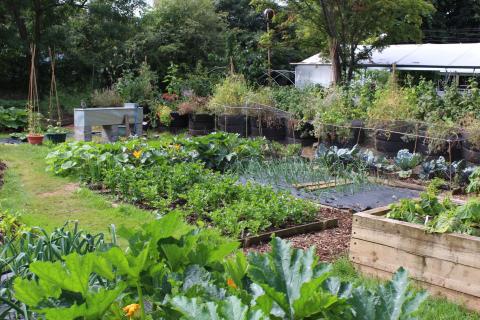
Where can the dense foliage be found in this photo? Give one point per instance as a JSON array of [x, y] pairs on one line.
[[439, 216], [172, 270], [13, 119], [173, 174]]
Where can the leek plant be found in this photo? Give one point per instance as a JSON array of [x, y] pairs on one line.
[[296, 170]]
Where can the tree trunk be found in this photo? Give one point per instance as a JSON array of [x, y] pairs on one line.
[[351, 64], [336, 63]]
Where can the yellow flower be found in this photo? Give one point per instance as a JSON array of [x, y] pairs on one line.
[[175, 146], [137, 153], [231, 283], [132, 310]]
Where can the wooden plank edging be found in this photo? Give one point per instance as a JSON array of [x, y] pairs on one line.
[[445, 264], [292, 231]]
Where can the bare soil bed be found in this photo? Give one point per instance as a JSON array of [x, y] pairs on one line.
[[330, 243]]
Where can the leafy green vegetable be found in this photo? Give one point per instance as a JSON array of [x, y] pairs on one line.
[[392, 301], [291, 280]]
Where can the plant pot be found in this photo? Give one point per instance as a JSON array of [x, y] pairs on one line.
[[35, 139], [470, 153], [272, 130], [234, 124], [302, 133], [56, 137], [179, 121], [392, 142], [201, 124], [452, 151]]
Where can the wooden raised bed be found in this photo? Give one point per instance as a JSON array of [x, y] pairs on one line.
[[291, 231], [444, 264]]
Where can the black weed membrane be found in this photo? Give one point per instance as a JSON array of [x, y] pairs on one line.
[[359, 198], [355, 197]]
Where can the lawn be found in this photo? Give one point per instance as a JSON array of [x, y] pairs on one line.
[[49, 201]]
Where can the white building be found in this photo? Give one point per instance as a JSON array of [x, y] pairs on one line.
[[459, 59]]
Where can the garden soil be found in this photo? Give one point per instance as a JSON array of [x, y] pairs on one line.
[[330, 244]]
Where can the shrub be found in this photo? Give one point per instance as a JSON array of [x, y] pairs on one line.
[[163, 113], [106, 98], [471, 127], [390, 105], [140, 88], [232, 92]]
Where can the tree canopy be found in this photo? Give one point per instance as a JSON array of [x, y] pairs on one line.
[[96, 41], [341, 27]]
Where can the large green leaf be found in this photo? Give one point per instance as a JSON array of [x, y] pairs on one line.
[[392, 301], [229, 309], [73, 276], [32, 293], [58, 280], [292, 280], [95, 307]]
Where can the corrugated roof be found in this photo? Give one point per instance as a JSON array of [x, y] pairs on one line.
[[442, 57]]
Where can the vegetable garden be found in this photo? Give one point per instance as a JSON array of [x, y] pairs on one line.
[[159, 159], [220, 176], [244, 173]]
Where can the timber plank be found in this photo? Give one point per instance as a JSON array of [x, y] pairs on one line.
[[292, 231], [442, 273], [456, 248]]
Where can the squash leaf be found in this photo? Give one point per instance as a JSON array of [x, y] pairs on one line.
[[229, 309], [292, 280]]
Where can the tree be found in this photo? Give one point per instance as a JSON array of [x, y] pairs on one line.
[[343, 26], [247, 40], [182, 32], [453, 21], [84, 32]]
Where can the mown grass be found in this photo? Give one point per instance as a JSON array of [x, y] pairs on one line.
[[48, 201], [433, 309]]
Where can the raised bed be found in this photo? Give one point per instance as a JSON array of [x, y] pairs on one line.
[[289, 232], [444, 264], [201, 124]]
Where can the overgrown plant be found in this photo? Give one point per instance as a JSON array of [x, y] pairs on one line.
[[139, 86], [106, 98], [229, 96], [175, 271]]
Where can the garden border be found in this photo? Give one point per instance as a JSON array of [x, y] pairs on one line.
[[289, 232], [444, 264]]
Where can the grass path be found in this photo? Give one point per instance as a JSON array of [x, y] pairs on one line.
[[48, 201]]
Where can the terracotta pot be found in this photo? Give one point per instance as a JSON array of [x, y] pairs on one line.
[[35, 138]]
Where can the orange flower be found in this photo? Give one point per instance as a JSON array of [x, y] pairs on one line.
[[132, 310], [137, 153], [231, 283]]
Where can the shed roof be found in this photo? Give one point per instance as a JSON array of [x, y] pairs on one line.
[[452, 57]]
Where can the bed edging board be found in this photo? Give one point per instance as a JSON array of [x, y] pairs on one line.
[[291, 231], [444, 264]]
